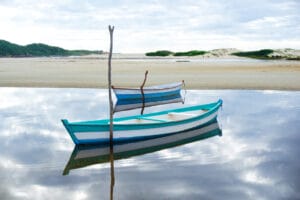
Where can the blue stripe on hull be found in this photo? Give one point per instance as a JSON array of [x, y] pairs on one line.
[[148, 99], [150, 95]]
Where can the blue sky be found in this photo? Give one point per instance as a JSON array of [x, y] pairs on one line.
[[142, 26]]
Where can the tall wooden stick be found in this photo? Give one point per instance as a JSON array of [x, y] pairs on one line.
[[142, 91], [112, 174]]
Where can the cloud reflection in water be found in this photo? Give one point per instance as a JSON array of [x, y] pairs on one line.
[[256, 158]]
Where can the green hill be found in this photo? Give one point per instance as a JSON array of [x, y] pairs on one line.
[[8, 49]]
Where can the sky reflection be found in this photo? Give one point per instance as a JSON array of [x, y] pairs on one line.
[[256, 158]]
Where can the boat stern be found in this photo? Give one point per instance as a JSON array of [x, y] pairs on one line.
[[220, 102]]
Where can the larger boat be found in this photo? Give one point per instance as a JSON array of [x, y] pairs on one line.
[[139, 127]]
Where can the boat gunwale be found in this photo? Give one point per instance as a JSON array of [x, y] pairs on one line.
[[104, 123], [179, 84]]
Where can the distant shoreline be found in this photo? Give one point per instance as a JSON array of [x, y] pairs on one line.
[[88, 72], [12, 50]]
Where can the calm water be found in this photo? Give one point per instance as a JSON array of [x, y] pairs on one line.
[[257, 157]]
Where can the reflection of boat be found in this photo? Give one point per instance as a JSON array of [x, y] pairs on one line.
[[142, 126], [129, 104], [148, 92], [85, 155]]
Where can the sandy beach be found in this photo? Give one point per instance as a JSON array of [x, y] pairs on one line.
[[91, 72]]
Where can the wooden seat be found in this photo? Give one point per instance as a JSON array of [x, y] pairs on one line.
[[181, 114], [153, 119]]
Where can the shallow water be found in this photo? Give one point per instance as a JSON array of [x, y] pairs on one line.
[[255, 158]]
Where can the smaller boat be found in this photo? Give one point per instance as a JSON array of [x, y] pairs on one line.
[[139, 127], [157, 91], [130, 104], [87, 155]]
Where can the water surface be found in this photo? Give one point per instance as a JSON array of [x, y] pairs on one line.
[[255, 158]]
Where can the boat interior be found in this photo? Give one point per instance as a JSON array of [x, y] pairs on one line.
[[169, 117]]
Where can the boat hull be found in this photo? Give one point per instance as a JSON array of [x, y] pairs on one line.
[[147, 126], [130, 104], [148, 92]]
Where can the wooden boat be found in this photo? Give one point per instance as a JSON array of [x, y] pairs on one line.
[[130, 104], [148, 92], [140, 127], [86, 155]]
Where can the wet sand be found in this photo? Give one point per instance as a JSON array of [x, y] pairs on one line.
[[198, 74]]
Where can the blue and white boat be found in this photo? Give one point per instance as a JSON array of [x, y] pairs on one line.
[[87, 155], [157, 91], [130, 104], [139, 127]]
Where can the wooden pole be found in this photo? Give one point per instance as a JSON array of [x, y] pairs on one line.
[[142, 91], [183, 84], [112, 174]]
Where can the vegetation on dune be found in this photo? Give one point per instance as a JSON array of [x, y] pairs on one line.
[[294, 58], [260, 54], [8, 49], [190, 53], [160, 53], [266, 54], [170, 53]]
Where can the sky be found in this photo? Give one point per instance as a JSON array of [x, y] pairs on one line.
[[142, 26]]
